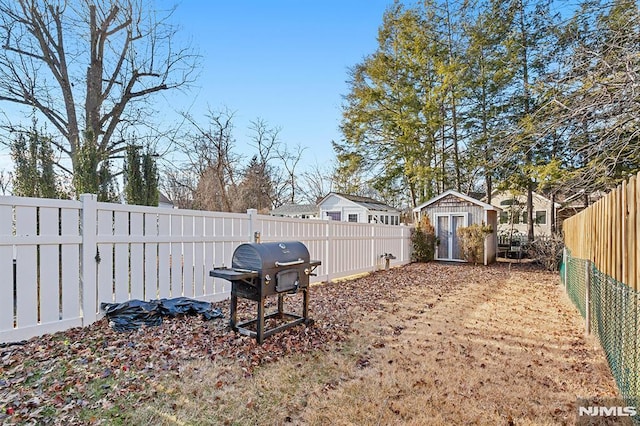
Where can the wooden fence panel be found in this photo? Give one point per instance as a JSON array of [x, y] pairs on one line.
[[607, 233]]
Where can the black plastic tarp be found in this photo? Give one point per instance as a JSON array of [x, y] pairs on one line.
[[133, 314]]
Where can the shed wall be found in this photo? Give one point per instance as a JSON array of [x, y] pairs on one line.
[[491, 242], [475, 215]]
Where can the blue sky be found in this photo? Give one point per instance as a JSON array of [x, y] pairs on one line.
[[283, 61]]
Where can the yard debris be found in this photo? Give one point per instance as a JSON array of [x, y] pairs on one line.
[[97, 375], [133, 314]]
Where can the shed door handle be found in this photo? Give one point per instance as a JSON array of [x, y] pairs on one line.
[[294, 262]]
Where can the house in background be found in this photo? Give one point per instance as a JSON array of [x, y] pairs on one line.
[[165, 202], [575, 203], [354, 208], [514, 216], [452, 210], [300, 211]]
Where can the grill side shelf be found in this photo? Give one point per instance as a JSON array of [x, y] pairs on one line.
[[233, 274]]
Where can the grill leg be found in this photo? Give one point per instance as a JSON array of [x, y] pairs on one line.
[[233, 317], [305, 304], [280, 305], [260, 324]]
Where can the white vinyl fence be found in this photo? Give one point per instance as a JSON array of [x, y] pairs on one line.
[[61, 259]]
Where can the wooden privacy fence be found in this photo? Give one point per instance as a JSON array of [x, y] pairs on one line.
[[607, 234], [60, 258], [601, 275]]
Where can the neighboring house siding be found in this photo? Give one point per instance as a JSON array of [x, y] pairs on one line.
[[338, 207], [514, 213]]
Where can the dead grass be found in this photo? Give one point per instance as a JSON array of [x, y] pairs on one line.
[[458, 345]]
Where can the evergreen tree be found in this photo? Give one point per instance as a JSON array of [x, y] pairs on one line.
[[85, 178], [393, 112], [34, 160], [140, 176], [256, 187]]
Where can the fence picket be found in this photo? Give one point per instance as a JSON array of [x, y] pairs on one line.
[[187, 257], [136, 256], [49, 286], [150, 257], [624, 235], [70, 265], [198, 258], [27, 268], [121, 230], [631, 230], [6, 264], [636, 252], [164, 256], [176, 256], [105, 266]]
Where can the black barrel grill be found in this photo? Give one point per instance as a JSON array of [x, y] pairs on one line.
[[259, 270]]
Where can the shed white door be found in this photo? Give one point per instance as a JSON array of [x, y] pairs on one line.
[[446, 227]]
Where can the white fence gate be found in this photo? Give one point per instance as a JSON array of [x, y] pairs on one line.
[[61, 259]]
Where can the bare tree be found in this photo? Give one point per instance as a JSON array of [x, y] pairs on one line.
[[89, 67], [316, 183], [289, 186], [261, 174], [210, 156]]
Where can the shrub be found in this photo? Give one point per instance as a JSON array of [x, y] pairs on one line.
[[472, 242], [423, 241], [548, 252]]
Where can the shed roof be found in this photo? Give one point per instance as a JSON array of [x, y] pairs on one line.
[[459, 195]]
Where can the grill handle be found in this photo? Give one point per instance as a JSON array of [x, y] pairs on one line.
[[294, 262]]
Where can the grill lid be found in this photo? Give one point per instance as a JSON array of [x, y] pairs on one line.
[[259, 256]]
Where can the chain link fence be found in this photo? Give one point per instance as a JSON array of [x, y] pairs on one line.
[[610, 309], [574, 276]]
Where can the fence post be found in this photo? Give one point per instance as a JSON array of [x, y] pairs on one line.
[[254, 234], [88, 269], [587, 297]]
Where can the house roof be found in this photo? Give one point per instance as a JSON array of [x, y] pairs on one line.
[[295, 209], [162, 199], [459, 195], [366, 202]]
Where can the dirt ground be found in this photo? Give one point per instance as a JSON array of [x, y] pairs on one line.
[[427, 344]]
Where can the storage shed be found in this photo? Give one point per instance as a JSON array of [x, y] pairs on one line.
[[452, 210]]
